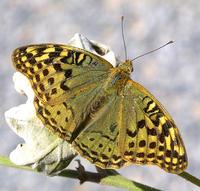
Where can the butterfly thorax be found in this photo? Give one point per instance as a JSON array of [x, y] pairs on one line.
[[126, 66], [117, 79]]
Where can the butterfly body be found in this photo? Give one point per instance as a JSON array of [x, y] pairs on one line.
[[109, 119]]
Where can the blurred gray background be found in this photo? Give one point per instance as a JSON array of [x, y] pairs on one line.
[[171, 74]]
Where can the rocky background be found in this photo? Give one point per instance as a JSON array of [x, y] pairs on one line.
[[171, 74]]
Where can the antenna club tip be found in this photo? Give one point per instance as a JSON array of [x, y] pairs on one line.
[[170, 42], [122, 17]]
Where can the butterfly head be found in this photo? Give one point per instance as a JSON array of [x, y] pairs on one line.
[[126, 66]]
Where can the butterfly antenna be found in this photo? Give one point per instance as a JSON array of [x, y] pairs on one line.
[[123, 37], [153, 50]]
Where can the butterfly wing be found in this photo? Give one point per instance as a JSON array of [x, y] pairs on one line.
[[98, 142], [65, 81], [150, 135], [132, 128]]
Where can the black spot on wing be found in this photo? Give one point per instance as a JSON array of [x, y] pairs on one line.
[[68, 73]]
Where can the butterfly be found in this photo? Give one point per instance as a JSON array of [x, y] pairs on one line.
[[110, 120]]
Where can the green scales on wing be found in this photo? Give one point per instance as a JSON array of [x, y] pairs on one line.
[[109, 119]]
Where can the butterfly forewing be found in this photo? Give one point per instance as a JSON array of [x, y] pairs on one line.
[[65, 80], [152, 136]]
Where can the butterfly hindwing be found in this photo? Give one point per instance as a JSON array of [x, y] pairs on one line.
[[98, 142]]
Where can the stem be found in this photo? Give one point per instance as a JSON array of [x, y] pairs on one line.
[[104, 177], [4, 161], [190, 178], [110, 177]]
